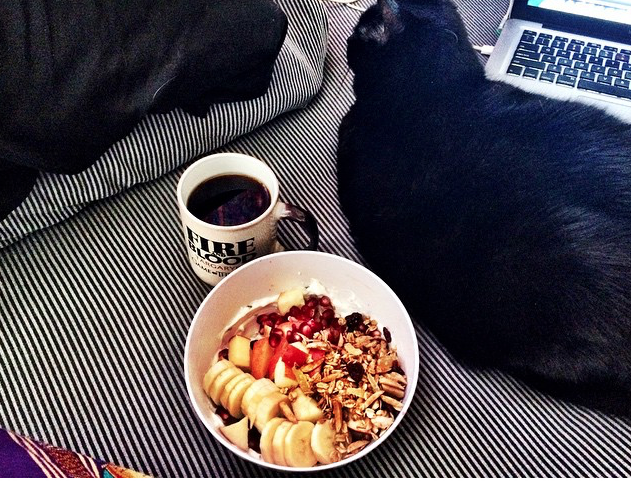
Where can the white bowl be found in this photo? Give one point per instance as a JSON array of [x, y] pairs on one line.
[[269, 275]]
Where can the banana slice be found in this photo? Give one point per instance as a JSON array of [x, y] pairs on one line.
[[267, 435], [218, 386], [268, 408], [252, 390], [278, 443], [298, 452], [223, 399], [214, 371], [322, 438], [236, 396], [253, 396]]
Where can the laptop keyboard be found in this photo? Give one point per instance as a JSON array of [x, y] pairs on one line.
[[573, 63]]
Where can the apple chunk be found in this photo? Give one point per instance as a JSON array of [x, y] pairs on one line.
[[288, 299], [239, 352], [237, 434], [262, 352], [284, 377]]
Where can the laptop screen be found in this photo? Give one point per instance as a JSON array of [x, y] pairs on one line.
[[610, 10]]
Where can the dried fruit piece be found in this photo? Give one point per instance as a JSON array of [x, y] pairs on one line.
[[355, 371]]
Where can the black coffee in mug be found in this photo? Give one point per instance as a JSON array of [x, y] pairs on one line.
[[228, 200]]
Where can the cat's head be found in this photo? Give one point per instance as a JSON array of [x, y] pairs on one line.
[[410, 46]]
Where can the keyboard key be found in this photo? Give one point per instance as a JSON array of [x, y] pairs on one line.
[[515, 70], [612, 63], [594, 45], [558, 44], [531, 73], [578, 42], [604, 79], [574, 47], [572, 72], [543, 41], [595, 60], [605, 54], [590, 50], [597, 69], [614, 72], [547, 77], [581, 65], [547, 50], [565, 62], [605, 89], [627, 75], [620, 83], [581, 57], [626, 66], [625, 51], [545, 35], [561, 39], [527, 38], [554, 68], [527, 54], [610, 48], [526, 62], [565, 80], [588, 75], [621, 57], [564, 53], [531, 32], [548, 59], [528, 46]]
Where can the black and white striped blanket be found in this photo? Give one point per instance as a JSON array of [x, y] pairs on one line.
[[96, 310]]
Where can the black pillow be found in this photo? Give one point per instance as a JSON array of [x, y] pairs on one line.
[[75, 77]]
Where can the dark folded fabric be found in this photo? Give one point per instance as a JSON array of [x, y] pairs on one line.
[[75, 77]]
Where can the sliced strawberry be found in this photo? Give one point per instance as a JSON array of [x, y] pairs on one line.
[[294, 356], [262, 352]]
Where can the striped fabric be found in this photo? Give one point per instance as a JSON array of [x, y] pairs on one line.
[[96, 312], [161, 143]]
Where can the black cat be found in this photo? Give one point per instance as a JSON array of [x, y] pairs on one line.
[[502, 218]]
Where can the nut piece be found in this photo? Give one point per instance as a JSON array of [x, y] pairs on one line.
[[398, 405], [285, 408]]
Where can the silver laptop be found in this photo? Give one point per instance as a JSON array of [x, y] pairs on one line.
[[568, 49]]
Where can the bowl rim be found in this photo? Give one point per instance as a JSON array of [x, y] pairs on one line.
[[412, 379]]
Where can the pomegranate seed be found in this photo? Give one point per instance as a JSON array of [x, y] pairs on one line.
[[334, 335], [293, 337], [275, 318], [325, 301], [376, 334], [308, 311], [316, 326], [261, 318], [306, 330], [223, 413], [275, 337], [362, 328], [254, 440], [267, 322], [328, 314], [312, 302], [386, 335], [294, 311], [223, 354]]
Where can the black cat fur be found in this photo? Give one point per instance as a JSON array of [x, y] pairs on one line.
[[502, 218]]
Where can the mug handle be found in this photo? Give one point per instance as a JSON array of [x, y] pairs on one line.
[[302, 216]]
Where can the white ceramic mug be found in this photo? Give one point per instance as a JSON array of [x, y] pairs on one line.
[[213, 250]]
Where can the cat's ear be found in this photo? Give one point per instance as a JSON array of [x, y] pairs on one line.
[[390, 14]]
